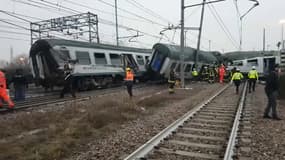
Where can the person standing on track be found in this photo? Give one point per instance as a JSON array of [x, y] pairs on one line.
[[20, 85], [237, 77], [252, 78], [3, 91], [129, 80], [221, 73], [171, 81], [271, 90], [68, 81]]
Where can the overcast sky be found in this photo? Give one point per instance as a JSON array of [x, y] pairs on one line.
[[150, 17]]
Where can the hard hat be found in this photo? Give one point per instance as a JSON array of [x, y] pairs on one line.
[[238, 69], [253, 67], [128, 68]]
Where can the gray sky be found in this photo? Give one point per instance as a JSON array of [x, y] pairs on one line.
[[267, 15]]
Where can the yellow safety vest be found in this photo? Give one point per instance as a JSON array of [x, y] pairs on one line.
[[194, 73], [237, 76], [252, 74]]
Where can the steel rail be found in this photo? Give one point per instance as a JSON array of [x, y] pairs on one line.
[[142, 151], [233, 137]]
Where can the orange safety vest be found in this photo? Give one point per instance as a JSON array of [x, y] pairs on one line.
[[129, 76], [2, 80]]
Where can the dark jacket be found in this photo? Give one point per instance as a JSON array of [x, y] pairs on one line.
[[272, 82], [19, 80]]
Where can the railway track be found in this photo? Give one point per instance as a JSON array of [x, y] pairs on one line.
[[54, 98], [209, 131]]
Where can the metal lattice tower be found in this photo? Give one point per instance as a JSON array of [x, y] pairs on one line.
[[78, 26]]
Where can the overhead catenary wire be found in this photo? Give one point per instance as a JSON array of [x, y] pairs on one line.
[[65, 9], [148, 11], [223, 26]]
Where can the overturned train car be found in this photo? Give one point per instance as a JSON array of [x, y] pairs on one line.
[[96, 64], [166, 57]]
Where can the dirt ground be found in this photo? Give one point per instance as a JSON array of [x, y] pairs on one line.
[[109, 127], [268, 139]]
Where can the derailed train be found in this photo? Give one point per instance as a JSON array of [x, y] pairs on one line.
[[96, 65], [166, 57], [99, 65]]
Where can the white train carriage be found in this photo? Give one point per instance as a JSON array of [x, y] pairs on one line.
[[97, 64], [262, 64]]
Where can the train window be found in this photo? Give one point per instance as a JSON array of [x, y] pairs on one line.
[[252, 62], [188, 68], [100, 58], [178, 68], [83, 57], [172, 66], [115, 59], [61, 55], [140, 60], [238, 63]]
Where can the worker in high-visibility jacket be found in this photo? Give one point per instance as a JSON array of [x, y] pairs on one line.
[[171, 82], [4, 95], [252, 78], [129, 80], [194, 75], [236, 78]]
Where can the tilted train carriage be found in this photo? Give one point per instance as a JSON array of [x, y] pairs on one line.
[[97, 64], [166, 57]]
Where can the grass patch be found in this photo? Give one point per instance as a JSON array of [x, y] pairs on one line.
[[76, 125]]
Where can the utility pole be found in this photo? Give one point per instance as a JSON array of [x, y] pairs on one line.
[[116, 15], [263, 40], [200, 33], [182, 45], [182, 35], [282, 38], [209, 45]]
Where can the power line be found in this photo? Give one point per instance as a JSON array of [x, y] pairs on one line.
[[147, 10], [12, 32], [105, 12], [13, 24], [3, 37], [131, 13], [223, 26]]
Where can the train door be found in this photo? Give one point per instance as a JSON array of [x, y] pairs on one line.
[[129, 61], [268, 64]]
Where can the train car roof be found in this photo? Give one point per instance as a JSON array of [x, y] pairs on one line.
[[240, 55], [173, 51], [62, 42]]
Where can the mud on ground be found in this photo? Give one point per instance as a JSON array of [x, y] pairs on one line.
[[109, 127]]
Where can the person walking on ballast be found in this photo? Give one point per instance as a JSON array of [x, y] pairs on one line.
[[3, 91], [271, 90], [19, 81], [129, 80], [68, 81], [252, 78], [171, 82], [237, 77]]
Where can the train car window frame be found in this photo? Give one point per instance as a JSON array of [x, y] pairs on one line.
[[100, 59], [188, 68], [81, 59], [140, 60], [252, 62], [115, 61], [62, 55], [238, 63], [173, 65], [178, 68]]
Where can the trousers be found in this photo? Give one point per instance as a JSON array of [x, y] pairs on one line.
[[129, 85], [271, 105], [251, 85]]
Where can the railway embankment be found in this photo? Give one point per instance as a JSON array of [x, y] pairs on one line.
[[105, 127]]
